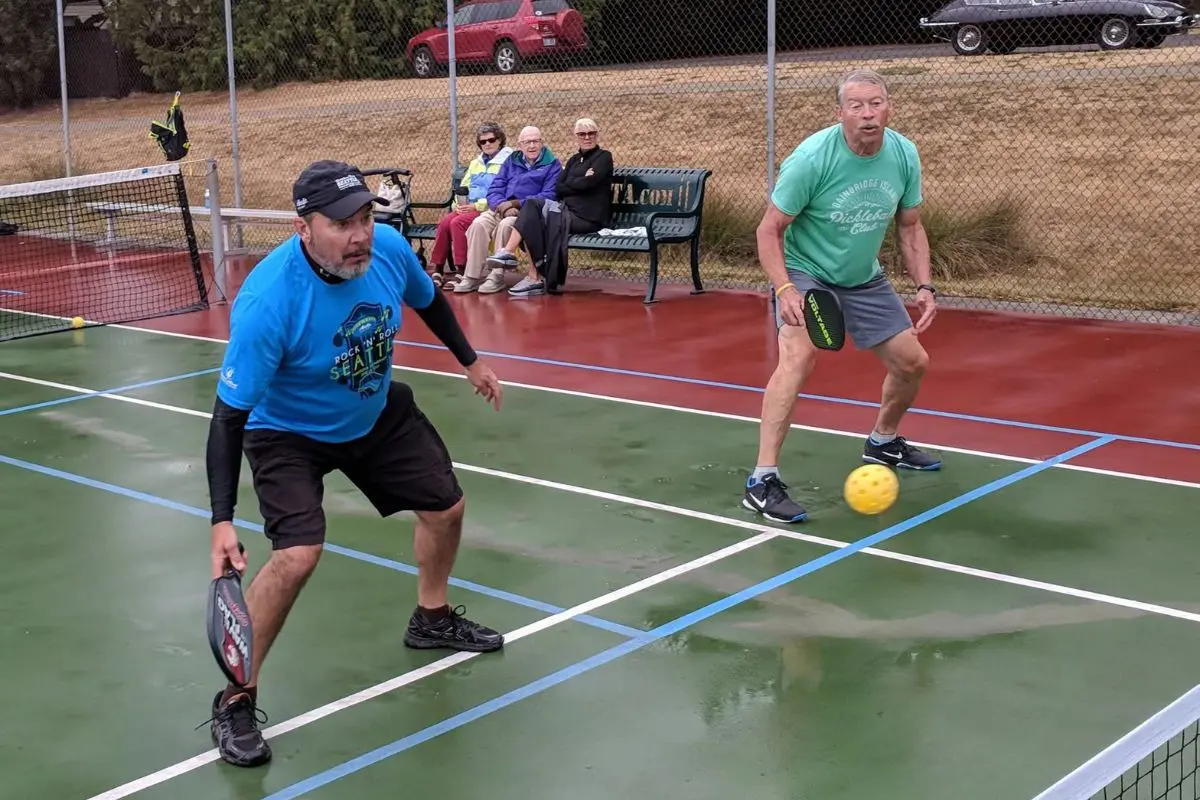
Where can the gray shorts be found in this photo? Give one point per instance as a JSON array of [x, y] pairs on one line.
[[873, 312]]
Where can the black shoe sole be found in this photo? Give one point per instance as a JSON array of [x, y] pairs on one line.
[[900, 465], [443, 644]]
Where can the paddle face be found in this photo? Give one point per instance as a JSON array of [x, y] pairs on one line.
[[229, 632], [823, 319]]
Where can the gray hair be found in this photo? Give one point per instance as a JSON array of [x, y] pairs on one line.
[[861, 76]]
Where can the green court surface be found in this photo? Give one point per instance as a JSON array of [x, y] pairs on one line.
[[983, 652]]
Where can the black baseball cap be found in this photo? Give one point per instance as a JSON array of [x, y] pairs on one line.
[[333, 188]]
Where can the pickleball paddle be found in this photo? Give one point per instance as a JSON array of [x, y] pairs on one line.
[[823, 319], [229, 631]]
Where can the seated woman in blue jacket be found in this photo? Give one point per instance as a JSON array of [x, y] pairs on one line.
[[584, 192], [529, 173]]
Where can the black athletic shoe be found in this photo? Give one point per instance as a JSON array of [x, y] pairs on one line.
[[769, 497], [454, 631], [235, 732], [899, 453]]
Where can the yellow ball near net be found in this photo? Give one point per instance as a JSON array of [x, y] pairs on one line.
[[871, 489]]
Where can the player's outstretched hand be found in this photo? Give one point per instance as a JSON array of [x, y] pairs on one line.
[[927, 307], [485, 382]]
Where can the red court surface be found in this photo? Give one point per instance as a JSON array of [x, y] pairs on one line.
[[1089, 376]]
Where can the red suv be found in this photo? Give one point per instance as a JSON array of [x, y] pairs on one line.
[[503, 33]]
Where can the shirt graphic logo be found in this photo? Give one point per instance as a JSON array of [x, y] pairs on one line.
[[366, 341], [865, 206]]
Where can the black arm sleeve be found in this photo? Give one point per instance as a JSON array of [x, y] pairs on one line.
[[441, 321], [224, 458]]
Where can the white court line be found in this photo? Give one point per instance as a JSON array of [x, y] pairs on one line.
[[440, 665], [733, 522], [1133, 476]]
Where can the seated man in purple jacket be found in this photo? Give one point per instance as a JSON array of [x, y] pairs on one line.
[[531, 171]]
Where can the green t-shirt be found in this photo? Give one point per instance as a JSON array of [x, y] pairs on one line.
[[843, 202]]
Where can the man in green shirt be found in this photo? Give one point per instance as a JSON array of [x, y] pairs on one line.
[[835, 196]]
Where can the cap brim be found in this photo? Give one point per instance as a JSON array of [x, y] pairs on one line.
[[348, 206]]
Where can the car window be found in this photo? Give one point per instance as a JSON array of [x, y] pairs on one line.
[[550, 7], [504, 9], [465, 15]]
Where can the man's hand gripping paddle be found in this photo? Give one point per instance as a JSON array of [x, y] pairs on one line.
[[229, 632], [823, 319]]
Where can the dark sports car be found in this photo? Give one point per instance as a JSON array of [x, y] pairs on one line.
[[976, 26]]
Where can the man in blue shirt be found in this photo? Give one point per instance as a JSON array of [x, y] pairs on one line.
[[305, 389]]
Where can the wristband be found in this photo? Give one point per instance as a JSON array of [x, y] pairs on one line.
[[928, 286], [789, 285]]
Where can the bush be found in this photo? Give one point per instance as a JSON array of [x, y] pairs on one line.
[[970, 244], [27, 50]]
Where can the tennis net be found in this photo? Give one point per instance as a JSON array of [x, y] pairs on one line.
[[110, 247], [1157, 760]]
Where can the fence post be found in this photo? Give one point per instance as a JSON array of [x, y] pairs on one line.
[[233, 116], [453, 85], [770, 96], [62, 82]]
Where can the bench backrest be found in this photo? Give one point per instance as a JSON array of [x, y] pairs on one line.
[[638, 191]]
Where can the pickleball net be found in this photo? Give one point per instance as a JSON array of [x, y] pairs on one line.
[[110, 247], [1157, 760]]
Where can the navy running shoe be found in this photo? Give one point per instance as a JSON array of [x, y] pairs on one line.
[[899, 453], [769, 497]]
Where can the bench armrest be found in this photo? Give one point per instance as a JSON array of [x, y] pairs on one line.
[[657, 215]]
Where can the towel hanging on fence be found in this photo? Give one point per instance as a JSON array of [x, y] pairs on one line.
[[172, 135]]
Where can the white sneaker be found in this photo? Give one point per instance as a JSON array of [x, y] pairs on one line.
[[494, 282], [466, 284]]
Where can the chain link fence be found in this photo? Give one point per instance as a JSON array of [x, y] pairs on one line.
[[1058, 139]]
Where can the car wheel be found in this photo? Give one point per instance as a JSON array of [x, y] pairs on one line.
[[1115, 34], [506, 58], [423, 65], [969, 40]]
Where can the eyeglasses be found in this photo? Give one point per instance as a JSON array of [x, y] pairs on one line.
[[525, 142], [482, 142], [586, 134]]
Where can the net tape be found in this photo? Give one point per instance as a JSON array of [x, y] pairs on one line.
[[1108, 768]]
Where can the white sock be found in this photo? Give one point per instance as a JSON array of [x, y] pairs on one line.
[[762, 472], [879, 438]]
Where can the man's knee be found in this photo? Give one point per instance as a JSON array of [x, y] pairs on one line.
[[296, 563], [907, 358], [796, 353], [449, 519]]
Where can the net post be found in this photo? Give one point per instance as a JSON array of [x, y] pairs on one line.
[[217, 228]]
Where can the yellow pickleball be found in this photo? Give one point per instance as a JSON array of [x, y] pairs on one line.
[[871, 489], [77, 322]]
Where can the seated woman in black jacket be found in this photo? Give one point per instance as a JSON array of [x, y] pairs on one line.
[[584, 200]]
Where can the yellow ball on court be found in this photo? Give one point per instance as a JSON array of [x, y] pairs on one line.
[[77, 322], [871, 489]]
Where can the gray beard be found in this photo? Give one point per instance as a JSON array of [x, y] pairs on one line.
[[345, 272]]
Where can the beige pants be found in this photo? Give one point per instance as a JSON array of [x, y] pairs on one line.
[[489, 228]]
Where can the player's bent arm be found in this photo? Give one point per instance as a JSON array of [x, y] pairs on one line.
[[914, 245], [770, 245]]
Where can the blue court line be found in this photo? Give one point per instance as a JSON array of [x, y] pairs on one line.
[[668, 629], [845, 401], [498, 594], [77, 397]]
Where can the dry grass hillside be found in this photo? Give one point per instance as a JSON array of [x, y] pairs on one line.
[[1049, 176]]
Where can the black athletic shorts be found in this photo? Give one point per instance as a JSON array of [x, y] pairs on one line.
[[402, 464]]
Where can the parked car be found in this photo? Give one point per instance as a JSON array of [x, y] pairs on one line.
[[1001, 26], [503, 33]]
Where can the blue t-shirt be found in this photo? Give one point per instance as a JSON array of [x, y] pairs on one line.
[[315, 358]]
